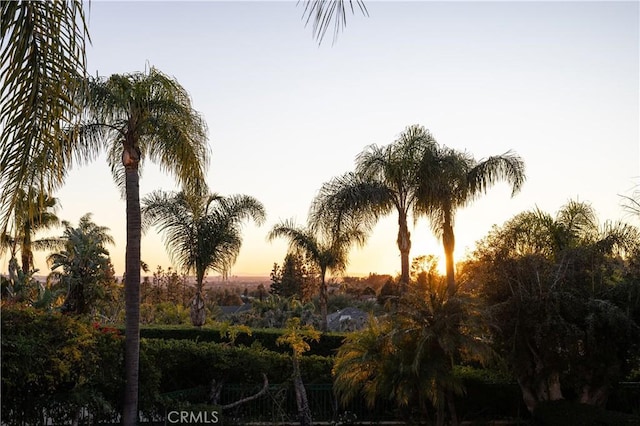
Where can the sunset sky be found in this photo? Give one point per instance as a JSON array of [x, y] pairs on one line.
[[556, 82]]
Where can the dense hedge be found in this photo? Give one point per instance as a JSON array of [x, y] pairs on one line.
[[326, 346]]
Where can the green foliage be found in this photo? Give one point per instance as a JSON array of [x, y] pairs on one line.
[[54, 365], [274, 311], [326, 346], [163, 313], [42, 54], [296, 278], [563, 294], [296, 336], [408, 356], [86, 265]]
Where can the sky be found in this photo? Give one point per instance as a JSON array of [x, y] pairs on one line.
[[557, 82]]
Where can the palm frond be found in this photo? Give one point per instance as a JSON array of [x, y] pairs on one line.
[[43, 52], [508, 167], [323, 12]]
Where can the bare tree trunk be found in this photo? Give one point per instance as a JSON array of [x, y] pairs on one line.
[[304, 412], [554, 389], [528, 396], [265, 387], [132, 287]]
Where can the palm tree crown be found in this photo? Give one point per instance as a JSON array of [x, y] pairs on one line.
[[450, 180], [201, 231]]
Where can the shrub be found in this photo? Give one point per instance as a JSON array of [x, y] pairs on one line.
[[54, 365]]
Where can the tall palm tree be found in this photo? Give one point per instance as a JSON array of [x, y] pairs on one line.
[[201, 232], [327, 250], [135, 116], [385, 180], [450, 180], [43, 52]]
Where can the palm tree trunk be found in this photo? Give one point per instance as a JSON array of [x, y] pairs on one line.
[[25, 250], [449, 243], [132, 288], [323, 301], [404, 245], [198, 311]]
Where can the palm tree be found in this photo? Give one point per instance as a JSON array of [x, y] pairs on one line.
[[34, 212], [450, 180], [201, 232], [327, 250], [85, 264], [386, 179], [43, 52], [134, 116]]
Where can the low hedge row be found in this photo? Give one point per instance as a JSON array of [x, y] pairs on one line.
[[327, 345]]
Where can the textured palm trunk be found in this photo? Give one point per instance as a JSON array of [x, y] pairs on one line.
[[449, 244], [132, 286], [198, 311], [404, 245], [323, 300], [546, 389]]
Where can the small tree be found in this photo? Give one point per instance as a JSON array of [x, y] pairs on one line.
[[296, 337], [296, 278]]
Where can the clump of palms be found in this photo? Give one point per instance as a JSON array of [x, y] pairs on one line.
[[326, 248], [408, 357], [385, 181], [563, 301], [201, 232], [414, 176], [85, 263]]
